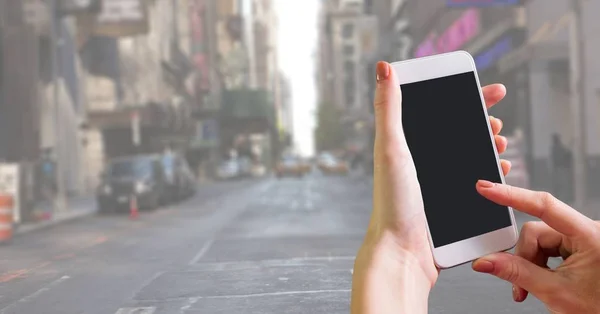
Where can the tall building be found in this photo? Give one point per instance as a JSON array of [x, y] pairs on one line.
[[348, 47], [149, 79]]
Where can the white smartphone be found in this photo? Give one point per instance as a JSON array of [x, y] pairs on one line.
[[448, 132]]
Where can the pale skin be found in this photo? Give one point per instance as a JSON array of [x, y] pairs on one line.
[[394, 269]]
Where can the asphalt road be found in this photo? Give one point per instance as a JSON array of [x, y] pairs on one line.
[[263, 246]]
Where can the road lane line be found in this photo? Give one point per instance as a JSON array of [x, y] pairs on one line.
[[190, 302], [269, 294], [136, 310], [221, 266], [241, 296], [202, 251], [35, 294]]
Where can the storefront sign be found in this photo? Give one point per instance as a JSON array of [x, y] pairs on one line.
[[489, 57], [36, 13], [457, 35], [199, 51], [480, 3]]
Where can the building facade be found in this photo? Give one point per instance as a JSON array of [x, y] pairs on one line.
[[547, 57], [348, 47], [527, 46]]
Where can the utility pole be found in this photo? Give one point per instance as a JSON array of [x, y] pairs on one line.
[[577, 62], [55, 38]]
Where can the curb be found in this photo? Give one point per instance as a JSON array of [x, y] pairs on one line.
[[27, 228]]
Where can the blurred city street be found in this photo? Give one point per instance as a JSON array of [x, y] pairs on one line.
[[236, 247], [216, 156]]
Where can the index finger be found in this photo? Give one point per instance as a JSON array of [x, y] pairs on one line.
[[552, 211]]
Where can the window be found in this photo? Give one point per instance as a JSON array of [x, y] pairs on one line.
[[349, 91], [348, 50], [349, 68], [348, 31]]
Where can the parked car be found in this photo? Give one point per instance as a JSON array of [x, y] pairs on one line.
[[258, 170], [140, 177], [289, 166], [328, 164], [228, 169], [245, 165]]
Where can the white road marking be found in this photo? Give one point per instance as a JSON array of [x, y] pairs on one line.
[[268, 294], [146, 283], [136, 310], [190, 302], [35, 294], [223, 266], [202, 251]]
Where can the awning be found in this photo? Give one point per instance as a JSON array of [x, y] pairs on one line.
[[542, 51], [151, 115]]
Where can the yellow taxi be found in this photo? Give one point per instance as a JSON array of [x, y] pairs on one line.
[[289, 167], [329, 164]]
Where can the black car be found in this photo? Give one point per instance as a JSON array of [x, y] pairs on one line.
[[142, 177]]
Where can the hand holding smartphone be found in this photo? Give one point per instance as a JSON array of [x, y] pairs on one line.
[[447, 130]]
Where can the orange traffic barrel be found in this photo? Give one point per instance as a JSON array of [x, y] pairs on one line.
[[6, 217]]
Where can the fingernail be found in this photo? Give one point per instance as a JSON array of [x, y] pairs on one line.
[[485, 184], [483, 266], [515, 293], [383, 71]]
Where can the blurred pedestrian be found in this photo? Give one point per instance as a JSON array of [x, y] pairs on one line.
[[561, 169], [47, 175], [394, 270]]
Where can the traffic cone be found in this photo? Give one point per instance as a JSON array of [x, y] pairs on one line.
[[6, 218], [133, 208]]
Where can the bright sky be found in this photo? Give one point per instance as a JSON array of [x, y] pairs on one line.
[[297, 45]]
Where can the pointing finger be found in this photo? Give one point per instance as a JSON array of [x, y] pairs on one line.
[[553, 212]]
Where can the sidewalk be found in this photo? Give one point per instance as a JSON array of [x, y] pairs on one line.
[[78, 207]]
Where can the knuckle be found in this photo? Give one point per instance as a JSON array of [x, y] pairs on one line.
[[546, 202], [547, 199], [508, 192], [379, 103], [392, 152], [512, 273], [529, 229]]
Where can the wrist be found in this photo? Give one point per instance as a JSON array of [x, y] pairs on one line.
[[388, 279]]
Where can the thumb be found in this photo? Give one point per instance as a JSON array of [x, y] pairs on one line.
[[388, 98], [520, 272]]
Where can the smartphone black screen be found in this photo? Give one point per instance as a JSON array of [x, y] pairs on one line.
[[448, 136]]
